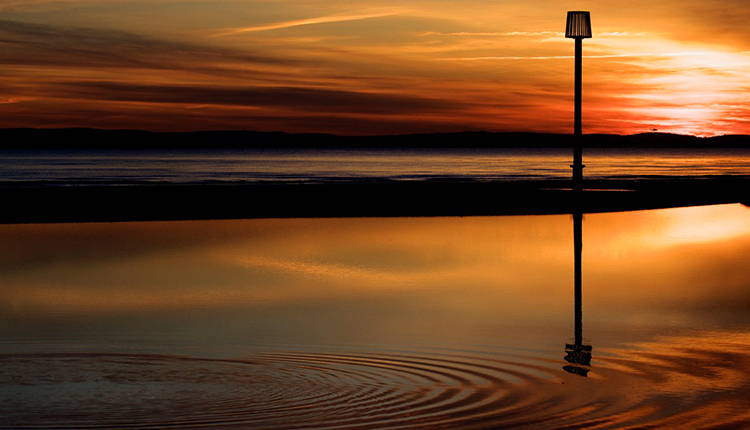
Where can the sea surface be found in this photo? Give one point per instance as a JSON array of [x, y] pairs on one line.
[[376, 323], [379, 323], [229, 165]]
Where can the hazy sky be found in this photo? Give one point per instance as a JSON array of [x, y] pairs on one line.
[[373, 66]]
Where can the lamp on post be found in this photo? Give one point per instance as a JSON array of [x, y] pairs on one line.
[[578, 27], [578, 353]]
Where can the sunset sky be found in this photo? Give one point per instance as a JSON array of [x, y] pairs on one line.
[[373, 66]]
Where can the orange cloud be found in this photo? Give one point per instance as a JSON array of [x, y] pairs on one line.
[[373, 68], [302, 22]]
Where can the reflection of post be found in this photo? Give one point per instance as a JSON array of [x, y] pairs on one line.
[[578, 353], [578, 245]]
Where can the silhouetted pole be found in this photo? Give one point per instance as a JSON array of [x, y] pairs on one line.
[[578, 27], [578, 148]]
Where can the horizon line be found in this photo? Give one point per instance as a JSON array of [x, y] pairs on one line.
[[665, 133]]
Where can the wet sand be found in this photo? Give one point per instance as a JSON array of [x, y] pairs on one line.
[[45, 203]]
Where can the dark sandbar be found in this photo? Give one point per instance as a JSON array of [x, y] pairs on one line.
[[45, 203]]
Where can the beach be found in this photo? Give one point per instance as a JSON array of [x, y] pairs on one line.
[[363, 289], [379, 323], [325, 215], [44, 203], [92, 184]]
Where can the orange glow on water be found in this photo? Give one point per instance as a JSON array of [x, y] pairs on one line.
[[665, 299], [260, 262], [423, 322]]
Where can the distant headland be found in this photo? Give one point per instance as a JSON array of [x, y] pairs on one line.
[[88, 138]]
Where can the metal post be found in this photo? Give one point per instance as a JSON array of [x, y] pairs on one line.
[[578, 27], [578, 135], [578, 80]]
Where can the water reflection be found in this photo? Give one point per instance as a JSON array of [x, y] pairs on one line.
[[378, 323], [577, 353]]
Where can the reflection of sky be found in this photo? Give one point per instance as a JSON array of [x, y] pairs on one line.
[[372, 67], [384, 278]]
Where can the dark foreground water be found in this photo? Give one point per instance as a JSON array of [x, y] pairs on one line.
[[418, 323]]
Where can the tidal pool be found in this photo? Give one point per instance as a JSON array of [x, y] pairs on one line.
[[379, 323]]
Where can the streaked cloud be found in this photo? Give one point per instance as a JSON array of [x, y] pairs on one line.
[[494, 34], [47, 45], [310, 99], [377, 66], [302, 22], [569, 57]]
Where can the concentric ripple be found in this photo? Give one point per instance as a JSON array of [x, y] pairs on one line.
[[294, 390], [269, 391]]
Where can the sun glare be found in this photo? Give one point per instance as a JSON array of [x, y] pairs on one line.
[[717, 224], [366, 68], [689, 90]]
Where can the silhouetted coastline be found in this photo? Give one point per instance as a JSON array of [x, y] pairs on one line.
[[42, 201], [87, 138]]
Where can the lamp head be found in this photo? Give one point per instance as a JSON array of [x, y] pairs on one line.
[[578, 25]]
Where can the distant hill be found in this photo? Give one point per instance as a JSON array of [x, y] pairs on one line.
[[70, 138]]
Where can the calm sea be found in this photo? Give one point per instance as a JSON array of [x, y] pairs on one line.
[[378, 323], [332, 165]]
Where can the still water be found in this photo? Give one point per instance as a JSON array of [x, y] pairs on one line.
[[399, 323], [224, 165]]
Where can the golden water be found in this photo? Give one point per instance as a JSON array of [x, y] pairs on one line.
[[377, 323]]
